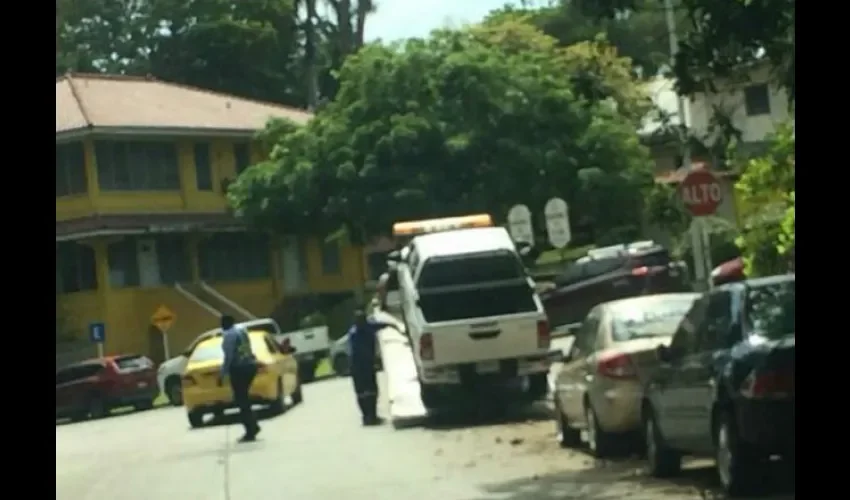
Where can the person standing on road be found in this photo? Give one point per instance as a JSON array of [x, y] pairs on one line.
[[362, 340], [240, 366]]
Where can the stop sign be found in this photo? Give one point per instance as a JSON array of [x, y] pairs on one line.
[[701, 193]]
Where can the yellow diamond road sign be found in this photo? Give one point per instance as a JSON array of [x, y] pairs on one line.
[[163, 318]]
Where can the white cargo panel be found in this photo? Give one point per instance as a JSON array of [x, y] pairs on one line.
[[506, 337]]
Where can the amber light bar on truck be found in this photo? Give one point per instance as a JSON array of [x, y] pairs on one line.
[[411, 228]]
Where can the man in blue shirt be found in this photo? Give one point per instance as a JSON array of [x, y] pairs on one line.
[[240, 366], [362, 342]]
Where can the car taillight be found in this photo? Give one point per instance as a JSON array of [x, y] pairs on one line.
[[188, 380], [616, 365], [426, 347], [640, 271], [543, 335], [768, 385]]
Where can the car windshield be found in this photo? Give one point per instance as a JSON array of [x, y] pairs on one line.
[[771, 310], [208, 352], [654, 317]]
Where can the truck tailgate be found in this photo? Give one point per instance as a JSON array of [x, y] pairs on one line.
[[307, 339], [499, 337]]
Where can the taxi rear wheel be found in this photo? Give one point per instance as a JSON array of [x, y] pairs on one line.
[[297, 396], [196, 419], [278, 405]]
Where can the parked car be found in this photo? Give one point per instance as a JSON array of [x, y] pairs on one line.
[[725, 386], [277, 378], [599, 387], [93, 387], [169, 372], [611, 273]]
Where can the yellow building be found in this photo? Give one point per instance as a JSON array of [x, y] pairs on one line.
[[142, 220]]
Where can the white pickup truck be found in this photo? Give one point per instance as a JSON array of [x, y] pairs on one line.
[[473, 316], [311, 346]]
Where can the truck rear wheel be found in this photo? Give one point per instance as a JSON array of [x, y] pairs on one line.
[[538, 386], [431, 396], [307, 371]]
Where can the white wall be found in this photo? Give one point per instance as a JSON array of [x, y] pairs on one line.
[[731, 101]]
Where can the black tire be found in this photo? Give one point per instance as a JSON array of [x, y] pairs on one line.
[[663, 461], [538, 386], [306, 372], [196, 419], [174, 390], [740, 468], [430, 396], [97, 407], [342, 365], [297, 395], [278, 406], [567, 436], [601, 444], [144, 405]]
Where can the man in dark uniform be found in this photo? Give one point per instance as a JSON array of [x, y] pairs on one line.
[[240, 366], [362, 341]]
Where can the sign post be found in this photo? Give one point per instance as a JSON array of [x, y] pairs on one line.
[[519, 224], [701, 194], [163, 318], [97, 336], [558, 222]]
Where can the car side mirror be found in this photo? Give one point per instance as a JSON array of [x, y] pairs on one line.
[[186, 353], [664, 353], [394, 256]]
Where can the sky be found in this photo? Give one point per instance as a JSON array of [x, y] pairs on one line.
[[396, 19]]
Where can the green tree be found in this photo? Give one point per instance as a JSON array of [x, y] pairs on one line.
[[642, 37], [766, 203], [464, 121], [721, 36]]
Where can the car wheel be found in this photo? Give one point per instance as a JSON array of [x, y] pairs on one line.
[[174, 391], [307, 372], [600, 443], [278, 405], [538, 386], [196, 419], [663, 462], [341, 365], [297, 396], [97, 408], [739, 468], [144, 405], [567, 436]]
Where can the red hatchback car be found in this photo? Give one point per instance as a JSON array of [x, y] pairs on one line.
[[93, 387]]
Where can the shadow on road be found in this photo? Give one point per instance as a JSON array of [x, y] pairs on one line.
[[231, 417], [616, 480], [483, 414], [117, 412]]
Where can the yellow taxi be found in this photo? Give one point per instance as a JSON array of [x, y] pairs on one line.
[[277, 378]]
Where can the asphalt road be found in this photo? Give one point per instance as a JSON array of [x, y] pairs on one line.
[[319, 451]]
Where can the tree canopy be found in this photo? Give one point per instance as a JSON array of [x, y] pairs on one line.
[[464, 121], [274, 50], [720, 36]]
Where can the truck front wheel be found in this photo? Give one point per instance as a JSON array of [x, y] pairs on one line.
[[306, 371], [538, 386]]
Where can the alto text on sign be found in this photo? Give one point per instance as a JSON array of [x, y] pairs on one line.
[[701, 193]]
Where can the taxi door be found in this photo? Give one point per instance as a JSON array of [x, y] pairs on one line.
[[285, 364]]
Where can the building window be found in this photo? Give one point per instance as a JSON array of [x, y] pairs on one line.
[[123, 263], [234, 257], [70, 169], [75, 268], [757, 100], [173, 259], [203, 166], [242, 155], [137, 166], [330, 257]]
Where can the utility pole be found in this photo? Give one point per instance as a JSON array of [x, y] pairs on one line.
[[698, 233]]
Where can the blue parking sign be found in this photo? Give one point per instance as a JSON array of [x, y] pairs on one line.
[[97, 333]]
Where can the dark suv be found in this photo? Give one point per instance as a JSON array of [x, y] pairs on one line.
[[610, 273], [93, 387]]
